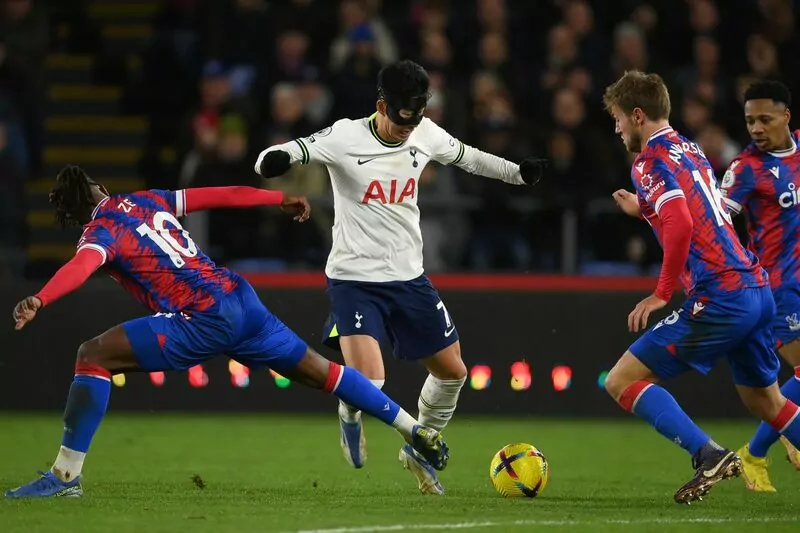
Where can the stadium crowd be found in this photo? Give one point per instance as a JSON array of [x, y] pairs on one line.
[[221, 80]]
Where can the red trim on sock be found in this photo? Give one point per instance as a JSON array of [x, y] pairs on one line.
[[629, 397], [797, 372], [86, 369], [785, 417], [334, 371]]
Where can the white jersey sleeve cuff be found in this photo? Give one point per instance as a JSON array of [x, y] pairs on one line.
[[733, 204], [666, 197], [97, 248], [180, 203]]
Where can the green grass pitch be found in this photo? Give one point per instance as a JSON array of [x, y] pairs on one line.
[[197, 473]]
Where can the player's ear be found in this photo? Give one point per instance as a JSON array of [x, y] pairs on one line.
[[380, 105], [638, 116]]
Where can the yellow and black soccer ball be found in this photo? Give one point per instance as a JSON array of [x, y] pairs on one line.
[[519, 471]]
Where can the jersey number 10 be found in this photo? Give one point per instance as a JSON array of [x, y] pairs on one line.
[[714, 196], [162, 237]]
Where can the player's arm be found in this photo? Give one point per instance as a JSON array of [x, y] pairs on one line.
[[68, 278], [202, 198], [738, 185], [451, 151], [658, 188], [321, 147], [668, 201]]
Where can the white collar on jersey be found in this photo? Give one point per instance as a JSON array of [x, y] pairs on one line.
[[659, 133], [94, 212], [787, 152]]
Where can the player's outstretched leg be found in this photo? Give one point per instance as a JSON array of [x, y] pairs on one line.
[[437, 403], [363, 353], [754, 454], [350, 386], [633, 386], [97, 360]]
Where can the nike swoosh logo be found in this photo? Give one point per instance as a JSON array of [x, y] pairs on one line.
[[449, 332], [713, 472], [360, 162]]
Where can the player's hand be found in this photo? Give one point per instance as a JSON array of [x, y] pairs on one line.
[[275, 163], [628, 202], [297, 206], [25, 311], [532, 170], [637, 320]]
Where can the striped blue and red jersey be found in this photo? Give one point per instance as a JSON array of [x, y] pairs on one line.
[[671, 166], [146, 250], [766, 185]]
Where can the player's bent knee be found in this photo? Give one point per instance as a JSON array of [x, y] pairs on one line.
[[89, 354], [765, 403], [312, 370], [616, 384], [447, 364]]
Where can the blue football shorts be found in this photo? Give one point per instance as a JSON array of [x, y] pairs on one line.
[[238, 326], [735, 325]]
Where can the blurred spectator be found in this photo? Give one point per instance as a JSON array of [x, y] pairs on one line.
[[12, 213], [24, 35], [354, 85], [718, 146], [352, 15]]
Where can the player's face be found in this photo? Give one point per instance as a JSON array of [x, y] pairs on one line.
[[767, 123], [398, 132], [625, 126]]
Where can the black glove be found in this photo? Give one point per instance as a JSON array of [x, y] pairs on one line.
[[532, 170], [275, 163]]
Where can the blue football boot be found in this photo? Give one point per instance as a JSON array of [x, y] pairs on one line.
[[353, 442], [48, 486], [426, 453]]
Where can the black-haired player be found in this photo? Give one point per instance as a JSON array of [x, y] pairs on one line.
[[201, 311], [376, 282], [764, 182]]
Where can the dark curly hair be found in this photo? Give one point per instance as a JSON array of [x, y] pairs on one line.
[[769, 90], [72, 196]]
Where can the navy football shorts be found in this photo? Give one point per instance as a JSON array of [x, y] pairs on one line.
[[238, 326], [409, 314], [736, 326]]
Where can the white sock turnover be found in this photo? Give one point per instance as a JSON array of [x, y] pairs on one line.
[[437, 401], [68, 464]]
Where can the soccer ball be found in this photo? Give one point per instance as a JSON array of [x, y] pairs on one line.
[[519, 470]]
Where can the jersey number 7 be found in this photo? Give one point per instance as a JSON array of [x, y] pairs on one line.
[[714, 196], [168, 244]]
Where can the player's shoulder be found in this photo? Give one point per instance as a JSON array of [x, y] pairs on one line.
[[430, 127], [342, 133], [745, 160], [340, 130]]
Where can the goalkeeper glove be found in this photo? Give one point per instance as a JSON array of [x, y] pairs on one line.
[[275, 163], [532, 170]]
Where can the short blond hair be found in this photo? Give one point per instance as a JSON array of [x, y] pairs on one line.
[[635, 89]]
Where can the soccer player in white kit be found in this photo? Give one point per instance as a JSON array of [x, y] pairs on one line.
[[376, 283]]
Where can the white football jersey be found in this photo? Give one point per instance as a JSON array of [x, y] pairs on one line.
[[376, 231]]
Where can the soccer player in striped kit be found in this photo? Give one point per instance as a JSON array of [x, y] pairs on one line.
[[729, 310], [764, 183]]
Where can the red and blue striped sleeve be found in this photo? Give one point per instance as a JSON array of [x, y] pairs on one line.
[[738, 184]]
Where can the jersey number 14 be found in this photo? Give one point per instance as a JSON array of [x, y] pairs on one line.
[[714, 196], [168, 244]]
